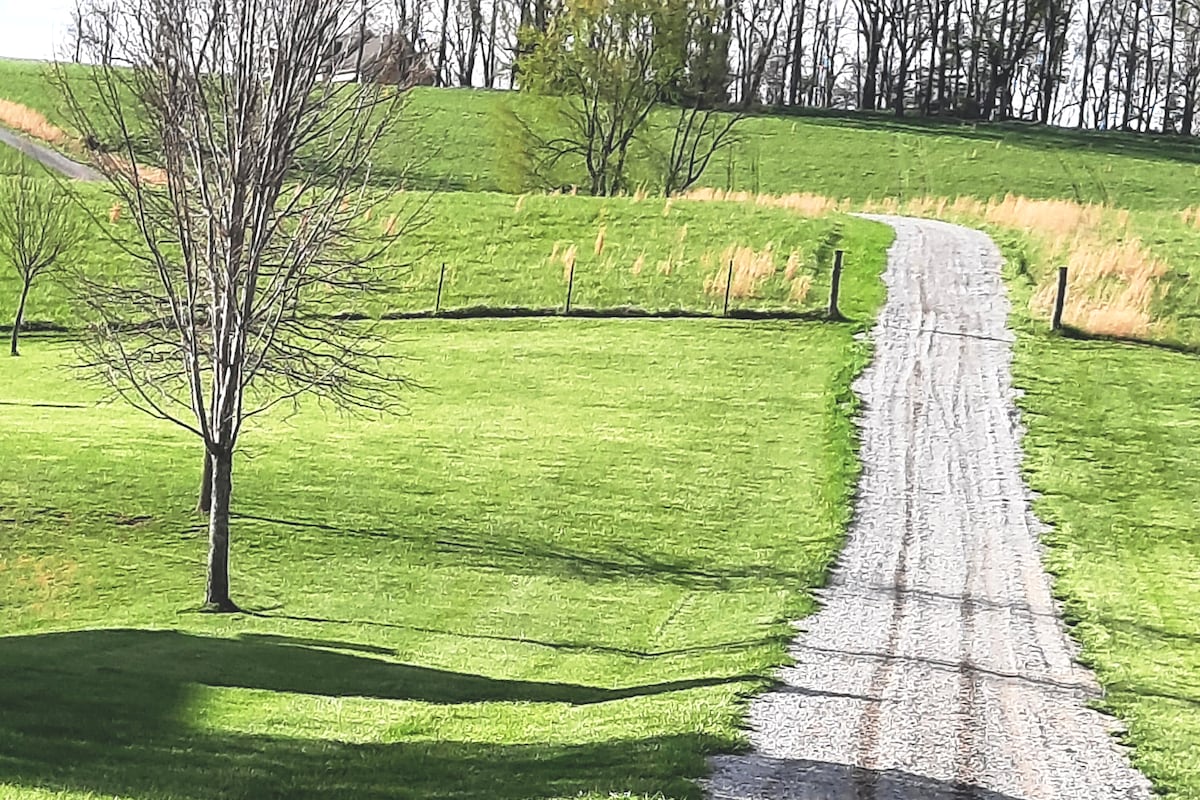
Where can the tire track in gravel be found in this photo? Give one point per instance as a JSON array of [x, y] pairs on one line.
[[937, 668]]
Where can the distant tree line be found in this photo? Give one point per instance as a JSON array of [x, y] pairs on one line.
[[1104, 64]]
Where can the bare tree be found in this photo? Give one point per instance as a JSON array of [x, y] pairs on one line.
[[37, 227], [258, 231]]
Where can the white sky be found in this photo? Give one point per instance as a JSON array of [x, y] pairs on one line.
[[33, 28]]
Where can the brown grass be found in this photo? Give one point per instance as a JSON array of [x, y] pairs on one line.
[[639, 264], [800, 289], [389, 225], [146, 173], [1114, 279], [114, 213], [520, 204], [793, 264], [568, 260], [750, 269], [805, 203], [1191, 216], [33, 123], [599, 248]]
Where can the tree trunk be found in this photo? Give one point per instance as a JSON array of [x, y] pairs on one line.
[[441, 65], [16, 331], [216, 597], [204, 504]]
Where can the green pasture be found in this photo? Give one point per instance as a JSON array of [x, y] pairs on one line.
[[560, 572], [556, 572], [502, 251]]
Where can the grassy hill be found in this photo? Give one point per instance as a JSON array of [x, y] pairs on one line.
[[450, 139], [504, 251], [451, 493]]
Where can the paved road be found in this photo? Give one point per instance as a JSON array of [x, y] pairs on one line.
[[51, 159], [937, 669]]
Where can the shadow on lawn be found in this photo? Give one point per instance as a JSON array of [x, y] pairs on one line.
[[107, 711], [516, 555], [275, 612]]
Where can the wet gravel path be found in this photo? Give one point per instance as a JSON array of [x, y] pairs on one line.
[[938, 668]]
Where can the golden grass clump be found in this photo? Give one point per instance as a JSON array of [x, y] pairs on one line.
[[599, 248], [1114, 280], [33, 123], [667, 206], [751, 268], [520, 204], [114, 213], [389, 225], [793, 264], [639, 264], [1111, 288], [1191, 216], [804, 203], [568, 260], [801, 286], [146, 174]]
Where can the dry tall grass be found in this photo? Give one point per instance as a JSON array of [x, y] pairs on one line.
[[1113, 278], [750, 269], [805, 203], [800, 289], [568, 261], [33, 123]]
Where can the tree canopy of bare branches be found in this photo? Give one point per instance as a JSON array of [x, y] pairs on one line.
[[38, 226], [1132, 64], [252, 232]]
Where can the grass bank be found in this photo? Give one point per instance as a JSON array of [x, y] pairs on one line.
[[557, 574], [505, 251]]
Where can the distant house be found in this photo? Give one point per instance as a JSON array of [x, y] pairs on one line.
[[388, 58]]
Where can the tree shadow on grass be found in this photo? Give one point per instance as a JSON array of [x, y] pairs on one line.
[[514, 554], [276, 612], [111, 712]]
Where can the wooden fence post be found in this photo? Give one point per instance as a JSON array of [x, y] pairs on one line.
[[1060, 300], [570, 288], [728, 287], [835, 286], [437, 306]]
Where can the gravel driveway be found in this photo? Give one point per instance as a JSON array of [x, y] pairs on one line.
[[51, 159], [937, 669]]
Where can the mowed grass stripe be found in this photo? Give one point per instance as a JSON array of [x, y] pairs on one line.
[[557, 575]]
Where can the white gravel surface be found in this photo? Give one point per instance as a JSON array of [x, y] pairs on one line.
[[938, 667]]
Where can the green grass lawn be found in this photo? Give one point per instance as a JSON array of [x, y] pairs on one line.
[[1112, 449], [1113, 452], [501, 251], [556, 574], [1114, 434], [452, 139]]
